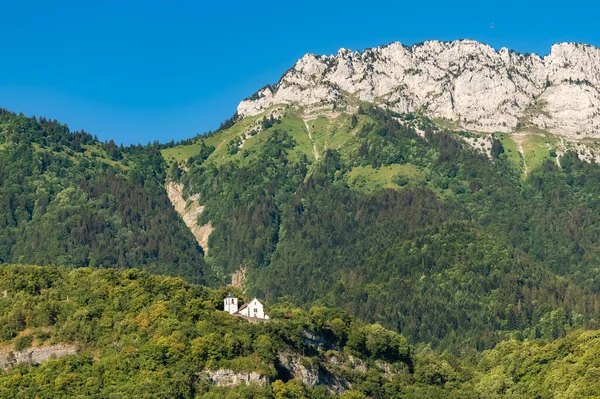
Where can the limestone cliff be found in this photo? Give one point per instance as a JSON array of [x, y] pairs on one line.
[[465, 81], [189, 211], [223, 377], [34, 356]]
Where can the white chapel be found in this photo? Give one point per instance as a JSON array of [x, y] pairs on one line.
[[254, 309]]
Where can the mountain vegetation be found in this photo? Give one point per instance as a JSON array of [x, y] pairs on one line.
[[67, 199], [403, 223], [159, 337], [398, 255], [139, 335]]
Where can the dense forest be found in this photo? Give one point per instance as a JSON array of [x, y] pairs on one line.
[[478, 276], [158, 336], [459, 250], [67, 199], [139, 335]]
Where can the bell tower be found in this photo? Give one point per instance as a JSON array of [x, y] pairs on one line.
[[230, 304]]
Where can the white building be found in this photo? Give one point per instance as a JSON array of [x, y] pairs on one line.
[[254, 309], [231, 304]]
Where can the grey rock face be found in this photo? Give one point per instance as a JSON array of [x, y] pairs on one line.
[[464, 81], [35, 355], [231, 378]]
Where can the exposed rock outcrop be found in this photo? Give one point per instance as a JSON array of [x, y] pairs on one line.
[[189, 211], [35, 355], [231, 378], [238, 279], [465, 81], [294, 366]]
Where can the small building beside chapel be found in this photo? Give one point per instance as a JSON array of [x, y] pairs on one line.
[[254, 309]]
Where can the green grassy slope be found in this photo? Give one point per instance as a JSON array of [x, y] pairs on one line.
[[326, 134], [393, 176]]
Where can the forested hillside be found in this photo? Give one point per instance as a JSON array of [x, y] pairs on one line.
[[139, 335], [67, 199], [144, 336], [469, 250], [401, 222]]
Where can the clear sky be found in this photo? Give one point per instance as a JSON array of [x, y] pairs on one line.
[[138, 71]]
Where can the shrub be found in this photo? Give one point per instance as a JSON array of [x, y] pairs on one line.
[[23, 342]]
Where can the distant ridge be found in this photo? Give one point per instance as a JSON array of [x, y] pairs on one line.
[[464, 81]]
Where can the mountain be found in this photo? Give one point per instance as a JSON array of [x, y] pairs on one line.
[[463, 81], [67, 199], [442, 235], [454, 238], [354, 183], [465, 240]]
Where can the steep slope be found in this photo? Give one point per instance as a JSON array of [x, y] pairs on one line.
[[189, 210], [463, 81], [132, 333], [67, 199], [129, 334], [437, 234]]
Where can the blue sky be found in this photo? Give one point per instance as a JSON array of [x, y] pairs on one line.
[[139, 71]]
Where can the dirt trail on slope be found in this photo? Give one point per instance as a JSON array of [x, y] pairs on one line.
[[519, 142], [315, 152], [189, 213]]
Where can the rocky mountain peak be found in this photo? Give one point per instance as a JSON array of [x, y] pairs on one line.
[[465, 81]]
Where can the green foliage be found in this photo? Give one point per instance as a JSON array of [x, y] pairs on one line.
[[156, 336], [353, 122], [234, 145], [102, 206], [174, 173], [379, 343], [566, 368], [497, 148], [269, 122], [408, 229], [139, 333], [246, 196], [23, 342], [422, 235], [205, 152]]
